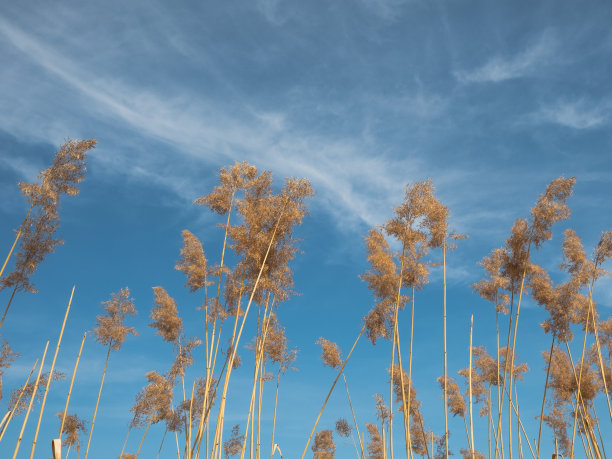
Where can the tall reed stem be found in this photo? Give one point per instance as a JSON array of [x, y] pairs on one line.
[[76, 364], [143, 437], [331, 390], [25, 420], [11, 412], [470, 383], [44, 400], [93, 421], [445, 368], [544, 396], [353, 413]]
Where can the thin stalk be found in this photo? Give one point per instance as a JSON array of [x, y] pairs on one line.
[[44, 400], [162, 443], [470, 382], [98, 400], [275, 405], [399, 289], [603, 448], [586, 330], [489, 421], [578, 394], [383, 438], [246, 312], [424, 439], [188, 434], [126, 439], [25, 420], [522, 427], [601, 365], [331, 390], [467, 434], [511, 374], [12, 411], [406, 407], [445, 369], [219, 425], [259, 350], [15, 242], [143, 437], [502, 384], [518, 426], [8, 306], [544, 397], [76, 364], [261, 383], [353, 413]]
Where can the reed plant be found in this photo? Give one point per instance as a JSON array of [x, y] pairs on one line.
[[253, 274]]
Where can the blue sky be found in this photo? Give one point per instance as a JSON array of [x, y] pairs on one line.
[[492, 100]]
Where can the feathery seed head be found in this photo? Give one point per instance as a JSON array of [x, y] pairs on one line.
[[330, 353], [111, 329], [165, 316]]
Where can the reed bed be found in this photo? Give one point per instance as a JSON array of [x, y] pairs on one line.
[[185, 402]]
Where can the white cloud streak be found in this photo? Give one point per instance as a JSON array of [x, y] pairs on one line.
[[575, 115], [354, 185], [499, 68]]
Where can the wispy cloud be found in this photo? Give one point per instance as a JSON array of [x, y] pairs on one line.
[[500, 68], [350, 181], [386, 9], [577, 114]]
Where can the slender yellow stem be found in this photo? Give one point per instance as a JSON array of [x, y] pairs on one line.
[[246, 312], [470, 383], [188, 434], [143, 437], [544, 397], [406, 406], [162, 443], [8, 305], [93, 421], [275, 405], [44, 400], [25, 420], [11, 412], [331, 390], [586, 330], [353, 413], [76, 364], [601, 365], [395, 337], [126, 439], [445, 369]]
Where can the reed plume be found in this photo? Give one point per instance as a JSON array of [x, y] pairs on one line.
[[324, 446], [112, 332], [233, 445], [37, 231], [330, 353], [343, 428], [7, 356], [73, 426], [375, 444]]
